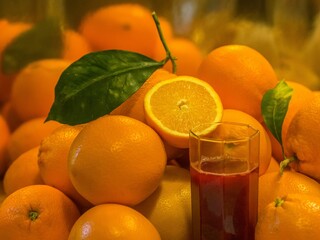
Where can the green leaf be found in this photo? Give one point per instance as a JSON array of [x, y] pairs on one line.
[[43, 40], [274, 108], [98, 83]]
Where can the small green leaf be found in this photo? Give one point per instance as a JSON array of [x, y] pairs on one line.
[[274, 108], [43, 40], [98, 83]]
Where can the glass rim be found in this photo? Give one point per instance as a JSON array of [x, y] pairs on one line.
[[204, 137]]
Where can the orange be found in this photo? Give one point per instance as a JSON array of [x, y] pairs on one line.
[[9, 31], [116, 159], [53, 161], [272, 185], [303, 137], [188, 55], [33, 89], [134, 105], [240, 75], [300, 96], [174, 106], [37, 212], [24, 171], [127, 26], [231, 115], [75, 45], [113, 221], [273, 166], [29, 135], [171, 200], [4, 138], [294, 217]]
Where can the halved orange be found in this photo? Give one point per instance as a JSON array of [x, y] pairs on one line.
[[175, 106]]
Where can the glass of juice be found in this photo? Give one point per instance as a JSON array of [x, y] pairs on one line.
[[224, 168]]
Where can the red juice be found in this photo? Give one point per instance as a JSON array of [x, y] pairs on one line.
[[224, 205]]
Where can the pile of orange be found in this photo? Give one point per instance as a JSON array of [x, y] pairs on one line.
[[126, 174]]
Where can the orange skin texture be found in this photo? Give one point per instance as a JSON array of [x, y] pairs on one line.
[[55, 214], [113, 221], [297, 217], [116, 159], [303, 137], [16, 177], [273, 166], [130, 25], [52, 160], [272, 185], [240, 75], [29, 135], [75, 45]]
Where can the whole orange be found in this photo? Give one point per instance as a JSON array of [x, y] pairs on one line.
[[231, 115], [24, 171], [33, 89], [126, 26], [37, 212], [294, 217], [273, 184], [113, 221], [240, 75], [116, 159], [303, 137]]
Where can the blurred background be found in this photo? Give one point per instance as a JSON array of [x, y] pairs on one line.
[[286, 32]]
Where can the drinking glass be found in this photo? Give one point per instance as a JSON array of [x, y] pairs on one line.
[[224, 168]]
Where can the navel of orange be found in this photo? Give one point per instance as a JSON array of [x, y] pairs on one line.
[[174, 106]]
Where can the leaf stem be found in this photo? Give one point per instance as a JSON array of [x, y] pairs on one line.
[[285, 163], [164, 43]]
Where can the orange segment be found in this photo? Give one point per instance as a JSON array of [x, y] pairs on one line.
[[175, 106]]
